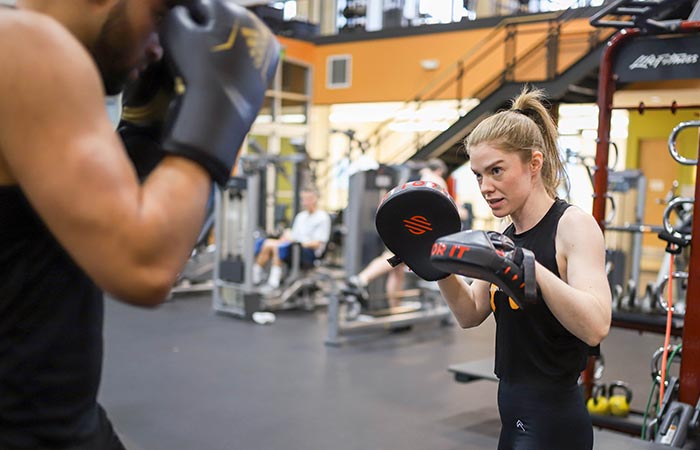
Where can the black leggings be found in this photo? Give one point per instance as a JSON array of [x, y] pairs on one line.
[[543, 418]]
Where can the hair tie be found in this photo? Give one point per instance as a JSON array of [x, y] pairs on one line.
[[530, 113]]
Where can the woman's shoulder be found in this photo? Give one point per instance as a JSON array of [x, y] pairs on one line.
[[574, 221]]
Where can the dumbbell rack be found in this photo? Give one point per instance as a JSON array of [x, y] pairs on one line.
[[640, 23]]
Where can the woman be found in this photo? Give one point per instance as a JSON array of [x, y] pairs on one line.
[[540, 350]]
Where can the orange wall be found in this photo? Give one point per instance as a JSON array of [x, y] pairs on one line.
[[301, 50], [389, 69]]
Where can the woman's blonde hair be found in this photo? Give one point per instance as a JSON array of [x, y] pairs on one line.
[[525, 127]]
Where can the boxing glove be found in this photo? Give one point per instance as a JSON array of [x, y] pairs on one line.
[[222, 59], [489, 256]]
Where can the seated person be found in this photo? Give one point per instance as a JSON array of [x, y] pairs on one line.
[[311, 228], [436, 171]]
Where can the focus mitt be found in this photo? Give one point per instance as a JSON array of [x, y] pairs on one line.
[[409, 219], [489, 256]]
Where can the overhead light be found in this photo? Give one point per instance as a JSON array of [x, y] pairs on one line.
[[403, 127], [429, 64]]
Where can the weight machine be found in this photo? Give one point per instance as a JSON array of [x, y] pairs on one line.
[[235, 230], [270, 214], [239, 215], [361, 245]]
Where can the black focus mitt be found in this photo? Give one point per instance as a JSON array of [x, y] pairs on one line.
[[489, 256], [409, 219]]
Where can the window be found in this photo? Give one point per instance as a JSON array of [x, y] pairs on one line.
[[338, 71]]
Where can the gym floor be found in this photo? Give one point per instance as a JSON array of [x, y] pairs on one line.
[[181, 377]]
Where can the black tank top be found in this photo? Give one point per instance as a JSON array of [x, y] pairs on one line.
[[532, 347], [50, 334]]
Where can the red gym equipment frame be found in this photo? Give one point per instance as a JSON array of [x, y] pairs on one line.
[[690, 363]]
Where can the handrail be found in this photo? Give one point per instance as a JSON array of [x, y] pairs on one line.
[[454, 74], [490, 85], [455, 66], [478, 46]]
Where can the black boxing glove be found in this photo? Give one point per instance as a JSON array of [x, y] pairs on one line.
[[145, 103], [409, 219], [222, 58], [489, 256]]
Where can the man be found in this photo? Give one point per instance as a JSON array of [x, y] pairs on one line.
[[74, 219], [311, 229]]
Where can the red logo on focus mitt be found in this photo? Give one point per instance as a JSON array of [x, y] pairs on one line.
[[418, 225]]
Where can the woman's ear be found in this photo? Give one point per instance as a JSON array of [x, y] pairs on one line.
[[536, 160]]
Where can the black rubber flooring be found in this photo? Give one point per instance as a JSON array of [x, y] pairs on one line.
[[181, 377]]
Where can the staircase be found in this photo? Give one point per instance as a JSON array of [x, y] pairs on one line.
[[576, 83], [558, 52]]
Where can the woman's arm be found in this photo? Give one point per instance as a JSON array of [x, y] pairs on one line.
[[469, 303], [581, 299]]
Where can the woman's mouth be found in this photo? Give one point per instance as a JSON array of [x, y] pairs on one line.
[[494, 202]]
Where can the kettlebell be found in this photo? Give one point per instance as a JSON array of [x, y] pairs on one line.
[[619, 403], [598, 403]]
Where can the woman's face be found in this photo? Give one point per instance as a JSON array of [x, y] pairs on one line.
[[504, 179]]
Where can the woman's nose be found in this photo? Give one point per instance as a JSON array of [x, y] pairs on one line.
[[485, 186]]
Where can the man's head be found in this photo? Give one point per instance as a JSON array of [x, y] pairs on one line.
[[309, 198], [437, 166], [127, 40]]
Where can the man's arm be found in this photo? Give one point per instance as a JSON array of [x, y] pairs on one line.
[[581, 301], [59, 146]]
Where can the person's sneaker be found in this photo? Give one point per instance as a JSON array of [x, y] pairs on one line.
[[352, 309], [355, 287]]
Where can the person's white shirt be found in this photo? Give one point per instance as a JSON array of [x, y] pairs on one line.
[[311, 227]]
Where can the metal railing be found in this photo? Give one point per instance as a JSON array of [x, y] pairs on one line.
[[518, 49]]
